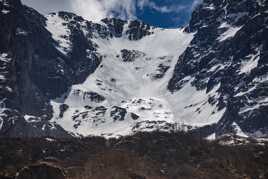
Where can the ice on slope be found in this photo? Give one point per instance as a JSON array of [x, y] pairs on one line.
[[248, 65], [247, 110], [5, 7], [4, 60], [238, 131], [230, 32], [191, 107], [211, 137], [60, 33], [131, 85], [2, 112]]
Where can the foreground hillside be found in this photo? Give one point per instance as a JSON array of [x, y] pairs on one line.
[[142, 156]]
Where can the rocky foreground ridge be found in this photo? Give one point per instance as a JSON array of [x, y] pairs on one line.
[[142, 156]]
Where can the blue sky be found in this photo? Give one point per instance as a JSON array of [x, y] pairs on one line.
[[173, 13], [161, 13]]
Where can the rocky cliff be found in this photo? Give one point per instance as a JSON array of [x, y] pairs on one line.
[[229, 53]]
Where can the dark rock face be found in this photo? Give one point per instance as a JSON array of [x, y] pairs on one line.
[[137, 30], [134, 116], [40, 172], [92, 96], [118, 114], [116, 26], [63, 109], [22, 37], [162, 69], [150, 126], [229, 39], [37, 67], [131, 55]]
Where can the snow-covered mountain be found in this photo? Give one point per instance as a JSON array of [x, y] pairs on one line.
[[128, 90], [229, 52], [63, 76]]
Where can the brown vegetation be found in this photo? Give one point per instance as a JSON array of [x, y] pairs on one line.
[[142, 156]]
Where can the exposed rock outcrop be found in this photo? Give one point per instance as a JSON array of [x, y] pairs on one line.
[[41, 171]]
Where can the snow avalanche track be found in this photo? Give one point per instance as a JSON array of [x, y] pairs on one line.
[[128, 91]]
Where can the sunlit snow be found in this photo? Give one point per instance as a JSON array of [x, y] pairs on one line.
[[230, 32], [248, 65], [60, 32], [136, 86], [238, 130]]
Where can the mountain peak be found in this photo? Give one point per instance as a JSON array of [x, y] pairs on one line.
[[63, 75]]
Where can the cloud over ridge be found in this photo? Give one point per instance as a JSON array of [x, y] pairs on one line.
[[95, 10], [161, 13]]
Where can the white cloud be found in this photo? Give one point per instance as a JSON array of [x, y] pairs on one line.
[[96, 10], [163, 9]]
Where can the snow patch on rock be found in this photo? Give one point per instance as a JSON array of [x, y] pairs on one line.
[[60, 32], [248, 65], [229, 33], [238, 131]]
